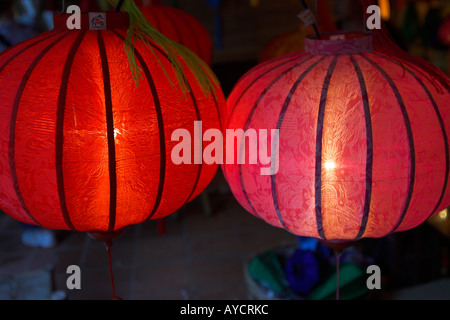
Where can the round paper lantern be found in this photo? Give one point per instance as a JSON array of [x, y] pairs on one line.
[[363, 145], [180, 27], [82, 147]]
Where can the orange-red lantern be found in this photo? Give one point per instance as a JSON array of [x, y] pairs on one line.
[[363, 141], [294, 41], [82, 147], [180, 27]]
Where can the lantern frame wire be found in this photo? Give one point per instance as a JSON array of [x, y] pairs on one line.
[[119, 5], [316, 30]]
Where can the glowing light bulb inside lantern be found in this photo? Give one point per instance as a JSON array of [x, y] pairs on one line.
[[116, 132], [330, 165], [443, 214]]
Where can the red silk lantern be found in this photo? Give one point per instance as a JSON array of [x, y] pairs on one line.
[[180, 27], [363, 141], [82, 147]]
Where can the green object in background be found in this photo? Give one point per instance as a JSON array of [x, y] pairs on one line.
[[267, 270], [352, 284]]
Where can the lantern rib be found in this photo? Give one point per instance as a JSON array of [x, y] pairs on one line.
[[259, 78], [25, 49], [59, 133], [442, 125], [155, 17], [279, 126], [194, 101], [264, 64], [410, 140], [161, 130], [247, 125], [14, 114], [369, 158], [177, 32], [191, 30], [197, 111], [319, 148], [110, 133]]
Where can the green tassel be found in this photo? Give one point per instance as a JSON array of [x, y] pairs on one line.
[[141, 30]]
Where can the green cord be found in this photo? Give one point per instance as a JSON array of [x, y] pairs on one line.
[[141, 30]]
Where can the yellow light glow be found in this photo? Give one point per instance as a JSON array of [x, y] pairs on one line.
[[330, 165], [443, 214], [385, 8]]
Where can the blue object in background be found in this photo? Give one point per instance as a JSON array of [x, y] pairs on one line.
[[302, 271], [312, 244], [215, 4]]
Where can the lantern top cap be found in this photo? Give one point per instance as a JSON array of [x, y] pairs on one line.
[[94, 21], [339, 43]]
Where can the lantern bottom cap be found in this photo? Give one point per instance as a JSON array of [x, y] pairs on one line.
[[106, 236], [338, 245]]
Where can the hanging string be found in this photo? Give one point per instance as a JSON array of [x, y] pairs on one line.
[[316, 30], [338, 267], [108, 244]]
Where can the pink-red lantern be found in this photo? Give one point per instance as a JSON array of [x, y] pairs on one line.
[[82, 147], [363, 141], [180, 27]]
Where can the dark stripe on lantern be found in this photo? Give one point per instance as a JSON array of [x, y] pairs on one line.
[[247, 125], [280, 125], [155, 17], [369, 158], [110, 133], [259, 78], [59, 138], [442, 125], [216, 105], [447, 148], [264, 64], [25, 49], [15, 112], [188, 25], [410, 140], [177, 32], [197, 112], [319, 148], [162, 139], [161, 124]]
